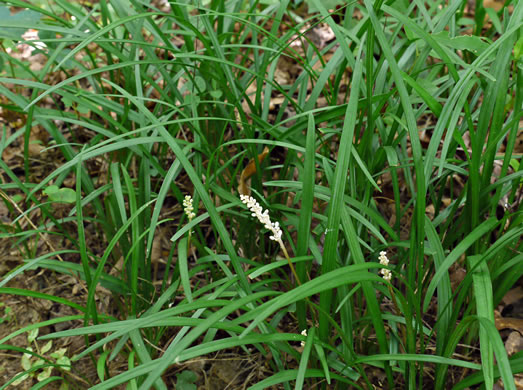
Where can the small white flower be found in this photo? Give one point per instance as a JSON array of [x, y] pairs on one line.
[[303, 333], [263, 217], [383, 258], [188, 207], [387, 275]]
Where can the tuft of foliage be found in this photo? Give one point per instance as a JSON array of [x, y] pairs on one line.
[[396, 135]]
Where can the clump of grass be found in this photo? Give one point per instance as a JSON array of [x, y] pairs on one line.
[[399, 134]]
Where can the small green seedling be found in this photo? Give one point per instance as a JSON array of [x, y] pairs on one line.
[[185, 380], [8, 313], [35, 366]]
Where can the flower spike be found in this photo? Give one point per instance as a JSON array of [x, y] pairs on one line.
[[188, 207], [263, 217]]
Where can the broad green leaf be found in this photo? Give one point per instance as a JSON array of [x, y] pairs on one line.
[[20, 380], [25, 362], [464, 42], [25, 17], [68, 102], [518, 49], [216, 93], [100, 365], [328, 4], [421, 89], [65, 362], [46, 373], [47, 347], [61, 195], [185, 380], [514, 164], [32, 335], [200, 83]]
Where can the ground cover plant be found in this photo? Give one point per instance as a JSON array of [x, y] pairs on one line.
[[261, 194]]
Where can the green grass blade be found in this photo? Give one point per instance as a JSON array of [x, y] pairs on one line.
[[184, 268], [330, 252], [302, 369], [485, 310], [307, 199]]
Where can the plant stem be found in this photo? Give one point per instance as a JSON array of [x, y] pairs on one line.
[[289, 261]]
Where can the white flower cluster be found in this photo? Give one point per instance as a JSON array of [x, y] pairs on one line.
[[188, 207], [263, 217], [387, 275]]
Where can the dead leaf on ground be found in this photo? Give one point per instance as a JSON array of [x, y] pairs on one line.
[[512, 296], [495, 4], [509, 323], [514, 343], [248, 171]]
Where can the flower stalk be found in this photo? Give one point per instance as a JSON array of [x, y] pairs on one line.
[[188, 209], [274, 227]]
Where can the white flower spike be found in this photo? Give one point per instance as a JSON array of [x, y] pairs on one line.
[[188, 207], [263, 217]]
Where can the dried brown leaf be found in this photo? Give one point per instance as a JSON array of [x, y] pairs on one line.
[[248, 171]]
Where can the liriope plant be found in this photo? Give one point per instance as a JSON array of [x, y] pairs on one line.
[[180, 98]]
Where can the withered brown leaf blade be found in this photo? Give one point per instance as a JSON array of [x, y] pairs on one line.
[[244, 185]]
